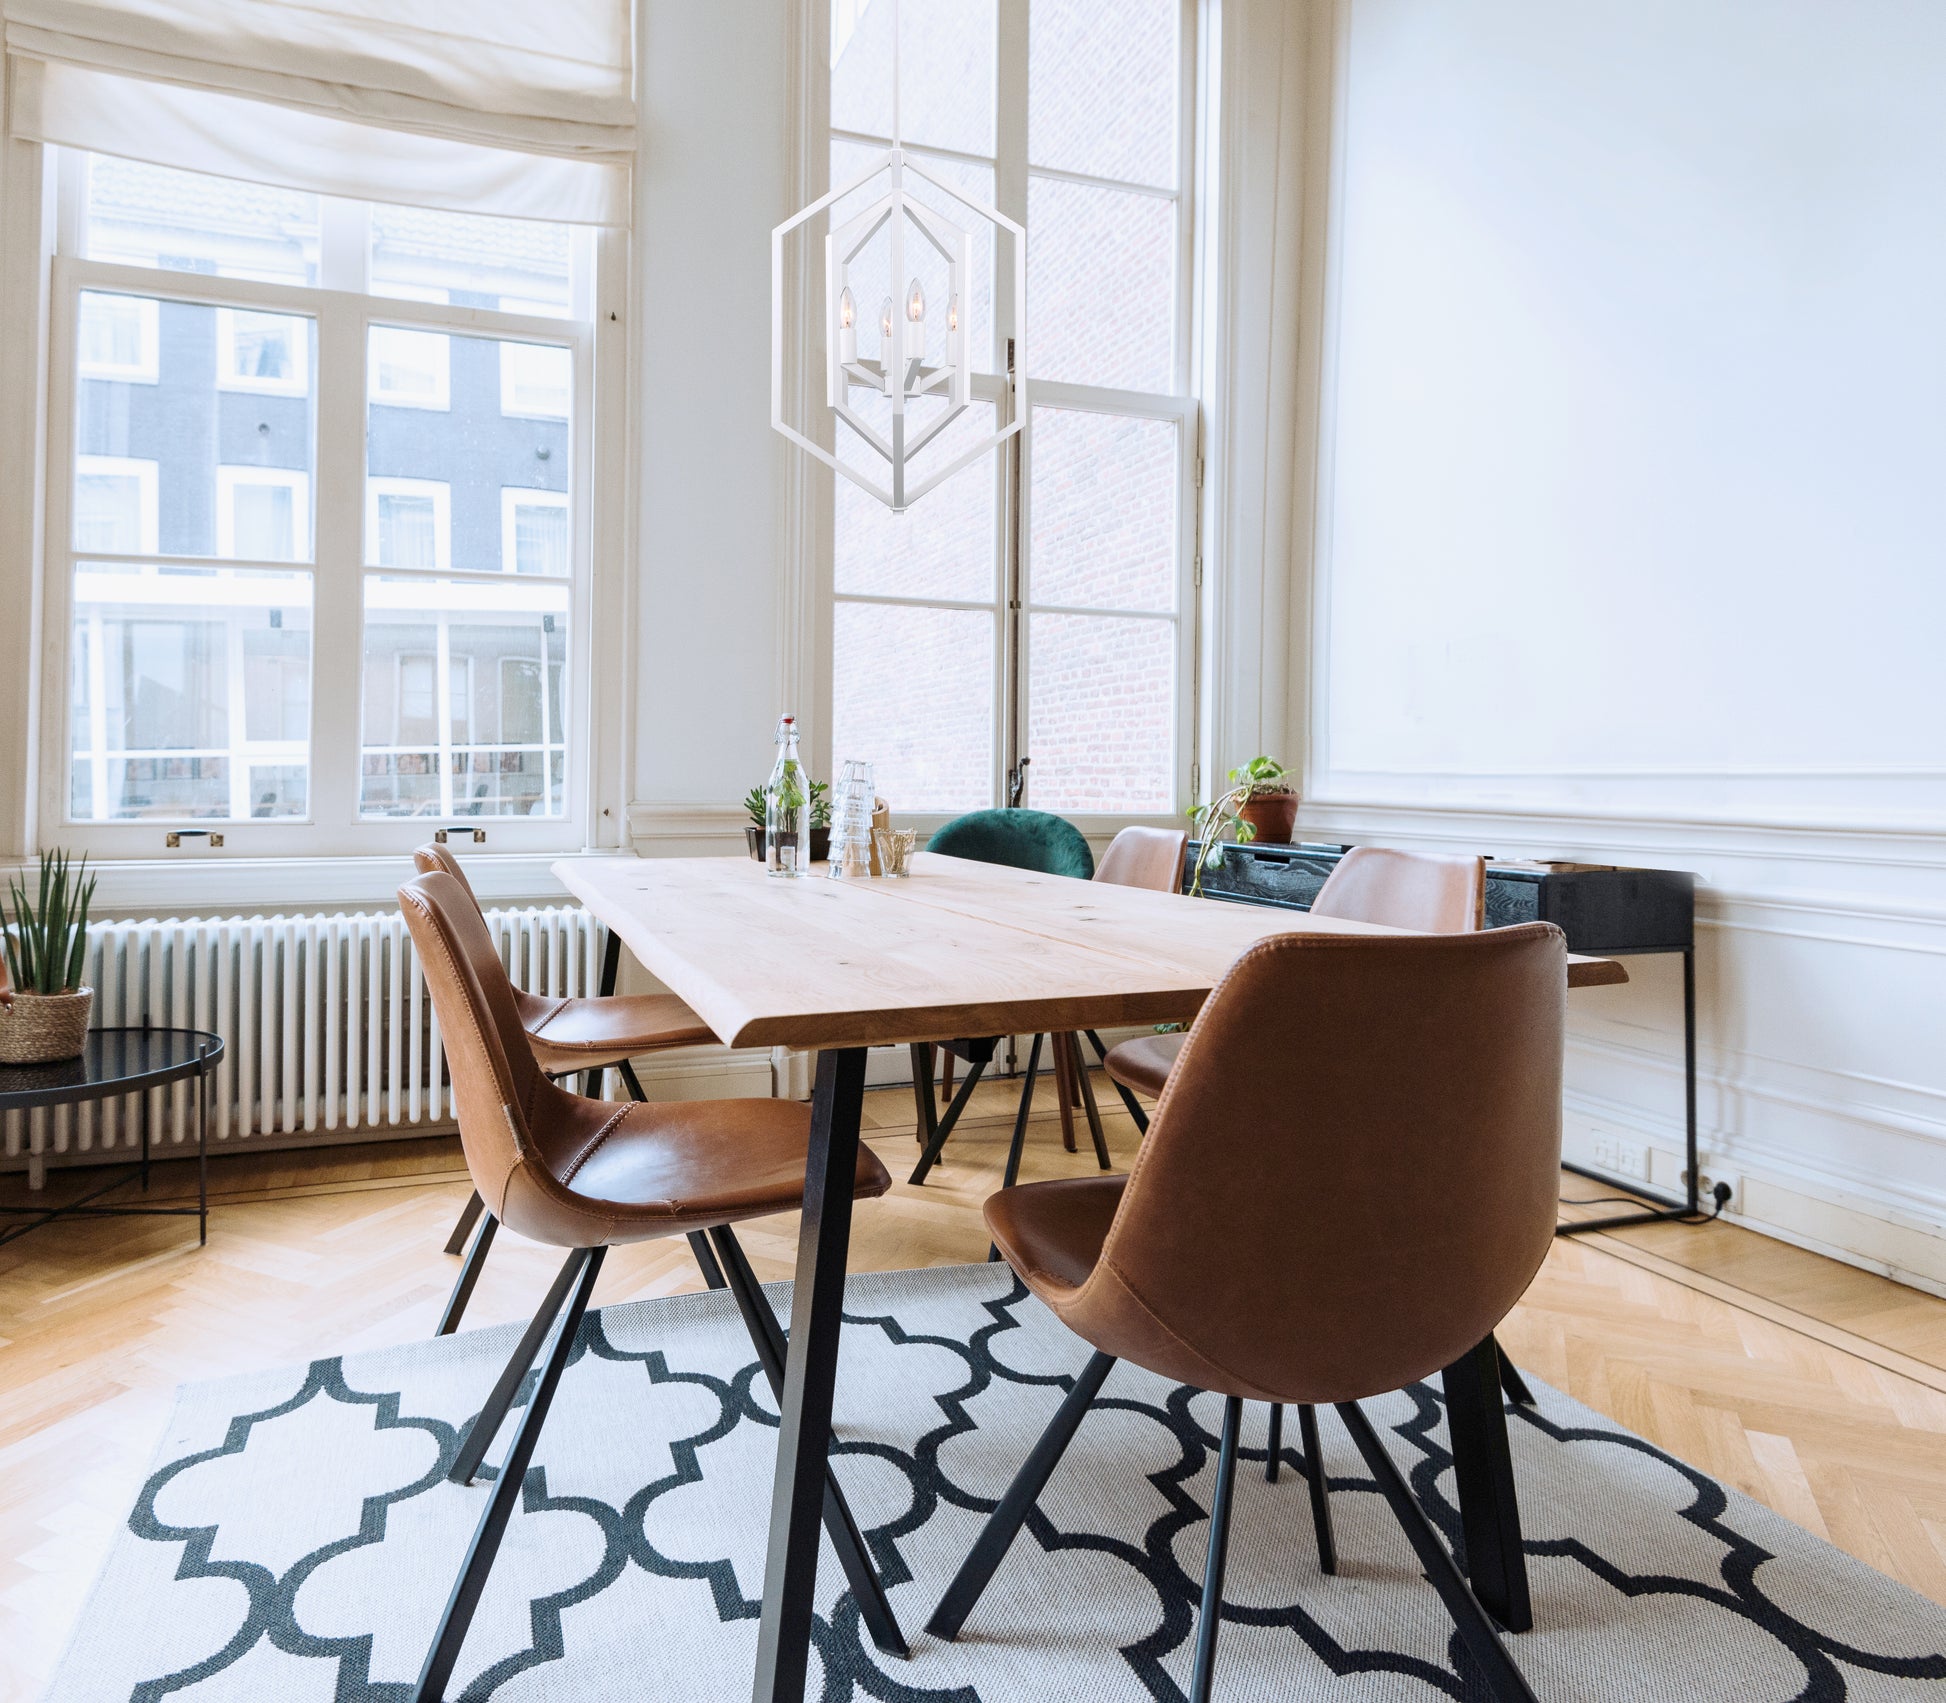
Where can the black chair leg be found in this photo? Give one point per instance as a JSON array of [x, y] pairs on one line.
[[1512, 1384], [1020, 1128], [480, 1434], [925, 1105], [1476, 1629], [1203, 1676], [444, 1654], [1128, 1098], [1320, 1488], [706, 1260], [468, 1217], [1004, 1523], [469, 1274], [1088, 1100], [930, 1157], [1274, 1443], [767, 1336]]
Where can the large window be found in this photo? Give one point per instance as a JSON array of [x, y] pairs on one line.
[[316, 532], [962, 643]]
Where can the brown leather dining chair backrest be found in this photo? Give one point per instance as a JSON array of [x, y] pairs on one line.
[[1351, 1176], [433, 858], [1144, 857], [1432, 892]]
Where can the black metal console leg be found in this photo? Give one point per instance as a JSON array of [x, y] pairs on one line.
[[469, 1274], [1320, 1488], [1274, 1442], [810, 1372], [1475, 1629], [444, 1655], [936, 1145], [1204, 1674], [1088, 1105], [1128, 1098], [469, 1216], [767, 1336], [486, 1425], [1483, 1470], [1512, 1383], [1004, 1523]]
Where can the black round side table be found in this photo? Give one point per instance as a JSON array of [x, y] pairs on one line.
[[117, 1062]]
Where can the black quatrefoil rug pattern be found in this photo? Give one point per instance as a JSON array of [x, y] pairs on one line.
[[297, 1538]]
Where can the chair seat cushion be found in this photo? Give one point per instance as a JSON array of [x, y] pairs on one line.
[[1145, 1062], [1051, 1233], [581, 1034], [632, 1170]]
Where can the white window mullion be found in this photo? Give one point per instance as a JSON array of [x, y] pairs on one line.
[[337, 603], [442, 692]]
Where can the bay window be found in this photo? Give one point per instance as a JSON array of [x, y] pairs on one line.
[[317, 530]]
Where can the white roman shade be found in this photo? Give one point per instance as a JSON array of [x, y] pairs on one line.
[[503, 106]]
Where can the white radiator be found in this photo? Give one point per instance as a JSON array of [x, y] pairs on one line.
[[326, 1024]]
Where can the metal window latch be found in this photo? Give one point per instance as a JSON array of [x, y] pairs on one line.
[[442, 835], [172, 841]]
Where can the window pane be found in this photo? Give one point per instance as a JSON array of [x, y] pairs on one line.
[[1101, 88], [946, 66], [945, 545], [1101, 283], [1102, 713], [463, 699], [161, 460], [182, 221], [409, 369], [870, 274], [536, 380], [472, 260], [192, 693], [912, 693], [1104, 511], [436, 477], [534, 533]]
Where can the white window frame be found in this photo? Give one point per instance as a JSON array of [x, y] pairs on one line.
[[598, 639], [513, 498], [1013, 171], [386, 485], [230, 478], [228, 375], [146, 475], [441, 399], [146, 368], [509, 385]]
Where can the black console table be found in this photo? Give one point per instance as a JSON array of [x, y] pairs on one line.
[[117, 1062], [1605, 911]]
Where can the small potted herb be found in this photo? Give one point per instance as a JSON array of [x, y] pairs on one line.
[[44, 1009], [753, 834], [1261, 804]]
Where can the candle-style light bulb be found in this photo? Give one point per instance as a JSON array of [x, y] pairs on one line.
[[847, 335], [952, 314], [885, 320], [846, 312], [915, 304]]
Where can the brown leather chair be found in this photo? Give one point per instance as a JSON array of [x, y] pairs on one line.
[[1434, 892], [569, 1036], [1136, 857], [1350, 1181], [586, 1175]]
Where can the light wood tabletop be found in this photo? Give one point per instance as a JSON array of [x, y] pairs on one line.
[[958, 948]]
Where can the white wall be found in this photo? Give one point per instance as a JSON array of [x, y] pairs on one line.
[[1628, 540]]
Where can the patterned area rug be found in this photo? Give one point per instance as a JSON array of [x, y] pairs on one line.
[[297, 1538]]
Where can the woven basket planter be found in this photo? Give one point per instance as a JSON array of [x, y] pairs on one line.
[[41, 1028]]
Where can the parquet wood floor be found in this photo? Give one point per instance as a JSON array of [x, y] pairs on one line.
[[1815, 1388]]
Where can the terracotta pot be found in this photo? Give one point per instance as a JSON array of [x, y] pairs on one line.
[[820, 843], [1273, 815], [42, 1028]]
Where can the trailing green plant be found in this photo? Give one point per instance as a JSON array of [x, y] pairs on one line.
[[47, 937], [1221, 820]]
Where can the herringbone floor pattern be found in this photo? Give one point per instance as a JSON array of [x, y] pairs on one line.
[[1815, 1388]]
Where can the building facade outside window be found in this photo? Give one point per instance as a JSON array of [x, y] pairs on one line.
[[317, 535]]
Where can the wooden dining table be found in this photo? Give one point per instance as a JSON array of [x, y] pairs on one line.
[[955, 950]]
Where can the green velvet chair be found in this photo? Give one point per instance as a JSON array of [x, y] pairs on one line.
[[1048, 845]]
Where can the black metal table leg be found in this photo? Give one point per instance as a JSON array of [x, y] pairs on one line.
[[202, 1157], [1483, 1469], [925, 1102], [810, 1374]]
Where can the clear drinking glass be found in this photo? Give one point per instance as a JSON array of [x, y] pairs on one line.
[[851, 824]]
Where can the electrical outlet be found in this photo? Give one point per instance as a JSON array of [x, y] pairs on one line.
[[1619, 1156]]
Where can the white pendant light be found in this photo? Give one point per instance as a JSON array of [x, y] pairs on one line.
[[912, 360]]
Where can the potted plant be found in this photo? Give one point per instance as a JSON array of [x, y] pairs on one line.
[[1261, 804], [753, 806], [44, 1008]]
